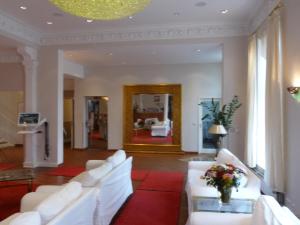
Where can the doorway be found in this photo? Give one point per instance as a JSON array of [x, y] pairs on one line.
[[205, 139], [97, 119]]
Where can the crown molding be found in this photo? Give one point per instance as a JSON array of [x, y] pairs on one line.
[[15, 29], [10, 57], [262, 14], [148, 33]]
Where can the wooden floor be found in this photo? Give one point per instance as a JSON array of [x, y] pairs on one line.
[[163, 162]]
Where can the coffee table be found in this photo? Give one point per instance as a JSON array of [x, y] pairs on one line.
[[18, 175], [212, 204]]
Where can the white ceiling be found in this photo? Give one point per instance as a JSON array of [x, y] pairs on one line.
[[159, 13], [136, 55]]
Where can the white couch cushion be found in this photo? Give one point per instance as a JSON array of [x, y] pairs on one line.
[[269, 212], [291, 215], [91, 177], [27, 218], [57, 201], [117, 158]]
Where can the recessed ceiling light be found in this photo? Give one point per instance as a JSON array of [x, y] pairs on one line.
[[198, 50], [200, 4], [224, 11], [23, 7], [110, 53], [130, 17], [49, 22], [176, 13], [89, 21]]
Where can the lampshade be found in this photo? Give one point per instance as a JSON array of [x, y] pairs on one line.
[[101, 9], [217, 129]]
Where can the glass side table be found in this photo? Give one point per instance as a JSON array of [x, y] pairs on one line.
[[18, 175], [212, 204]]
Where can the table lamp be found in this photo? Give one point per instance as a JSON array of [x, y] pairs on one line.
[[218, 130]]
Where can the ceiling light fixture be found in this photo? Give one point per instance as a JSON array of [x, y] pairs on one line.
[[23, 7], [198, 50], [101, 9], [89, 21], [130, 17], [49, 22], [224, 11]]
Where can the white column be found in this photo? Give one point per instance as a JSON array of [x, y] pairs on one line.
[[30, 67], [166, 106]]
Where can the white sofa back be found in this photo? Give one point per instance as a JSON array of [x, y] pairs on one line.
[[78, 211]]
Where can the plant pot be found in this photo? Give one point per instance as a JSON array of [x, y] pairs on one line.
[[225, 194]]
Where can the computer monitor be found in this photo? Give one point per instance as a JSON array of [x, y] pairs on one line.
[[28, 119]]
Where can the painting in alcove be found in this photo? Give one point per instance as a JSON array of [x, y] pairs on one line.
[[152, 116]]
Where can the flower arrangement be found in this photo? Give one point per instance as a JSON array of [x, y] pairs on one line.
[[223, 177]]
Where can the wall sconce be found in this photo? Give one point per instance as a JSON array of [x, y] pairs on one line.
[[295, 92]]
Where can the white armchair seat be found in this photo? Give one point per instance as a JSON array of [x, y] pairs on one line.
[[161, 129]]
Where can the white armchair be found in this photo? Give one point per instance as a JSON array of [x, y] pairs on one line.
[[161, 129]]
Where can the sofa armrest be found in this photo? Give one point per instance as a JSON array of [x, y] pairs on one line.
[[92, 164], [9, 219]]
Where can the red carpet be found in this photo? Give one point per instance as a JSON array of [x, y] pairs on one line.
[[163, 181], [10, 197], [144, 137], [150, 208], [139, 174], [5, 166], [68, 171]]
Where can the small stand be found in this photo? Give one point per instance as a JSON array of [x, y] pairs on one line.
[[35, 129]]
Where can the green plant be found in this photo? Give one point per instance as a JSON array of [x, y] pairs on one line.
[[225, 115]]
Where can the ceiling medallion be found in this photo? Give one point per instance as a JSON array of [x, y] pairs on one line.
[[101, 9]]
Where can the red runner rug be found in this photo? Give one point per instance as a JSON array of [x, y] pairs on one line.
[[163, 181], [150, 208], [139, 175], [72, 171], [5, 166], [11, 194]]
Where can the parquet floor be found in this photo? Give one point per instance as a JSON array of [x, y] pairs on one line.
[[145, 161]]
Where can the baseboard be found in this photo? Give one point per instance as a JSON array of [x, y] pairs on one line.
[[29, 165]]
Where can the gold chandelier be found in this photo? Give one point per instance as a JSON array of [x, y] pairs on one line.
[[101, 9]]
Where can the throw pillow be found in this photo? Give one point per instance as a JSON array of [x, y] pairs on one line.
[[89, 178], [117, 158]]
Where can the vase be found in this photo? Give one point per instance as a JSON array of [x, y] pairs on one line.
[[225, 194]]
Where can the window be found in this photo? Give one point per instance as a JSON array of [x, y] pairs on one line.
[[261, 100]]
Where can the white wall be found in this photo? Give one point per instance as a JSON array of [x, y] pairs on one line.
[[12, 77], [292, 75], [203, 80]]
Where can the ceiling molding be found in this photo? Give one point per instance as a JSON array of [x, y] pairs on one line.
[[148, 33], [10, 57], [15, 29], [262, 14]]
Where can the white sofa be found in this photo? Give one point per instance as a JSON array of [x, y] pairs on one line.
[[161, 128], [111, 177], [267, 211], [197, 187], [71, 204]]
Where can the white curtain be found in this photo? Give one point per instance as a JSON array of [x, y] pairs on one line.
[[275, 168], [251, 157]]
